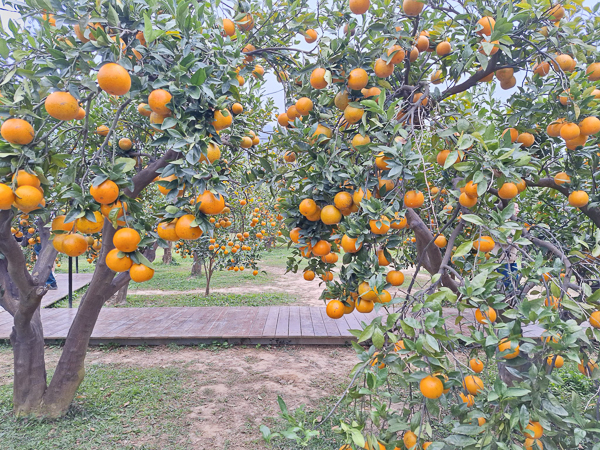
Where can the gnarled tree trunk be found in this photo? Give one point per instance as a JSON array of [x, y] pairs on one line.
[[197, 265], [167, 254]]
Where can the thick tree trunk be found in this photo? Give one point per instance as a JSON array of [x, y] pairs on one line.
[[197, 265], [168, 254], [120, 298], [27, 340]]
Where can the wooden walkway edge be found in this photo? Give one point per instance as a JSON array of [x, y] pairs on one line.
[[275, 325], [62, 281]]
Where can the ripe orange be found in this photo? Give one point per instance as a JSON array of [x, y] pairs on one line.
[[577, 142], [395, 278], [471, 189], [487, 23], [102, 130], [542, 69], [114, 79], [484, 317], [534, 430], [514, 134], [505, 345], [310, 36], [17, 131], [558, 361], [526, 139], [569, 131], [184, 229], [335, 309], [577, 199], [167, 231], [86, 226], [304, 106], [80, 114], [309, 275], [593, 72], [561, 178], [158, 100], [317, 78], [422, 43], [228, 27], [321, 248], [484, 244], [349, 244], [342, 200], [106, 192], [468, 399], [533, 444], [330, 215], [508, 191], [210, 204], [431, 387], [440, 241], [358, 79], [24, 178], [364, 306], [565, 62], [126, 240], [116, 264], [595, 319], [140, 273], [379, 226], [414, 199], [412, 7], [352, 114], [61, 105], [443, 48], [246, 23], [399, 55], [382, 69], [341, 100], [222, 119], [58, 224], [476, 365], [125, 144], [307, 207], [237, 108], [213, 153], [7, 197], [74, 245], [366, 293], [473, 384], [359, 6], [589, 125], [28, 198]]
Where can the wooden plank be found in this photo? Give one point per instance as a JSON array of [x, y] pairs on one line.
[[199, 318], [62, 281], [162, 319], [271, 322], [294, 329], [145, 327], [306, 325], [176, 323], [283, 322], [243, 323], [330, 324], [60, 328], [343, 326], [317, 322], [217, 321], [258, 323], [228, 320], [353, 320], [127, 320]]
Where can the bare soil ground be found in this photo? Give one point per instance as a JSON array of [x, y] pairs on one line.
[[307, 293], [234, 389]]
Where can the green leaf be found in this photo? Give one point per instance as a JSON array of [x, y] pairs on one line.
[[463, 249], [473, 219], [199, 77], [378, 338], [128, 163], [112, 17]]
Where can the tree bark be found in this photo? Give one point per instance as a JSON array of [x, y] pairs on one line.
[[197, 265], [168, 254]]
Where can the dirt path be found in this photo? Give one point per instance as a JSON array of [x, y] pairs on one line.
[[307, 293], [234, 390]]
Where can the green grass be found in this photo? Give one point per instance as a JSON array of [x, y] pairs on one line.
[[115, 408], [263, 299]]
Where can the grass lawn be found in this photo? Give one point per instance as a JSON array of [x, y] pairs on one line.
[[116, 406], [217, 299], [176, 277]]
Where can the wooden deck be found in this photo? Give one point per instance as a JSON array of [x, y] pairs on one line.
[[193, 325], [62, 281]]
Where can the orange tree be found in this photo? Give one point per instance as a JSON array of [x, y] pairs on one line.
[[399, 149], [99, 101], [245, 230]]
